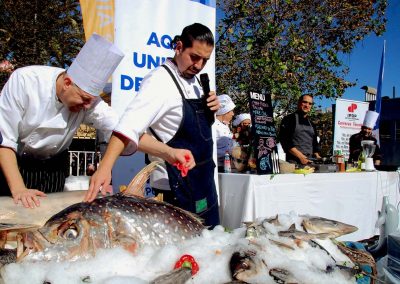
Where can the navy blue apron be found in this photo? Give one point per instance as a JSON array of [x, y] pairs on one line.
[[196, 192]]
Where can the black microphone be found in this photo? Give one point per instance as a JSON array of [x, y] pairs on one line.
[[205, 84]]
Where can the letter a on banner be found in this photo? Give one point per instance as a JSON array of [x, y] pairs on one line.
[[98, 17]]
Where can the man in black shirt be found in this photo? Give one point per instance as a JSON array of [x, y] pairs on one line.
[[298, 135]]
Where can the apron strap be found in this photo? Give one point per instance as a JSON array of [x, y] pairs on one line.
[[175, 81], [147, 160], [180, 92]]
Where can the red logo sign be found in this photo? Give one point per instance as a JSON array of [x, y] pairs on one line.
[[352, 108]]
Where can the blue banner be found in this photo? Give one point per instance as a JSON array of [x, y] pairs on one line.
[[379, 89]]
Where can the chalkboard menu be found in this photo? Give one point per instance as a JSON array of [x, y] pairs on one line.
[[263, 132]]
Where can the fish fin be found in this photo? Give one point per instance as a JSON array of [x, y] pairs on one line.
[[137, 185], [292, 227], [249, 224], [281, 244], [192, 215], [16, 227]]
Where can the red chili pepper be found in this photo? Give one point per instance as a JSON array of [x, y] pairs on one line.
[[187, 261], [184, 170]]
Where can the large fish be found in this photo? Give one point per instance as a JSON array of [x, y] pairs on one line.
[[114, 221], [121, 220]]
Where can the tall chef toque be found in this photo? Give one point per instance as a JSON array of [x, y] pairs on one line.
[[95, 63], [226, 104], [370, 119]]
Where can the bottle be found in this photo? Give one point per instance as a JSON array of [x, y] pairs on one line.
[[340, 161], [361, 161], [227, 163]]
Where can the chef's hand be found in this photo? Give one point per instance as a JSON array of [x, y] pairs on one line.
[[213, 102], [180, 156], [28, 197], [317, 156], [99, 181], [304, 160]]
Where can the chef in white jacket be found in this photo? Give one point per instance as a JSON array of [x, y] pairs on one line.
[[41, 107], [224, 135]]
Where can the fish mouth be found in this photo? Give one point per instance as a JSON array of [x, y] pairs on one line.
[[28, 243]]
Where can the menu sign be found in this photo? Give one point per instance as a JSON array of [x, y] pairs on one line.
[[264, 132]]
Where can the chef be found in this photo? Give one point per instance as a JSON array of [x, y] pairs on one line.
[[41, 107], [298, 135], [365, 134], [224, 135], [242, 120], [242, 129]]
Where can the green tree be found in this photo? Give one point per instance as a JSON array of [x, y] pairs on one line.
[[290, 47], [43, 32], [323, 122]]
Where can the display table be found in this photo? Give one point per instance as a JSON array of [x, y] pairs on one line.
[[353, 198]]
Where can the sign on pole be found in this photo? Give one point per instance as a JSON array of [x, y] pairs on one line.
[[263, 132], [349, 117]]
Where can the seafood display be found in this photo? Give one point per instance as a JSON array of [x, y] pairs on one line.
[[135, 240], [281, 249]]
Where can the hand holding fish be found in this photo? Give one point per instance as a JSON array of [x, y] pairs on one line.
[[28, 197], [99, 182]]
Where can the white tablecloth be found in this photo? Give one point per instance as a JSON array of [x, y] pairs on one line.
[[353, 198]]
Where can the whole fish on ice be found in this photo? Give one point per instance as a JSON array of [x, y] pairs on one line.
[[121, 220], [312, 227], [113, 221]]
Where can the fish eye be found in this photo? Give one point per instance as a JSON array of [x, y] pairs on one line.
[[70, 233]]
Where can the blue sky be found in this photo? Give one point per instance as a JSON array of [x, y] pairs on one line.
[[364, 61]]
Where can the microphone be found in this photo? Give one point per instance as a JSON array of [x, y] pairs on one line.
[[205, 84]]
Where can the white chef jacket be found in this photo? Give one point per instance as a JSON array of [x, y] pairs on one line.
[[34, 122], [158, 105], [224, 137]]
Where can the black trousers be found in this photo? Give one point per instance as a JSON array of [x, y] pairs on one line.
[[45, 175]]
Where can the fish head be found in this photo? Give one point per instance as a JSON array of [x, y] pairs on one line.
[[73, 233], [322, 225], [245, 265]]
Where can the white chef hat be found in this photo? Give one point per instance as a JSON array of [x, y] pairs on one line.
[[226, 104], [370, 119], [95, 63], [240, 118]]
